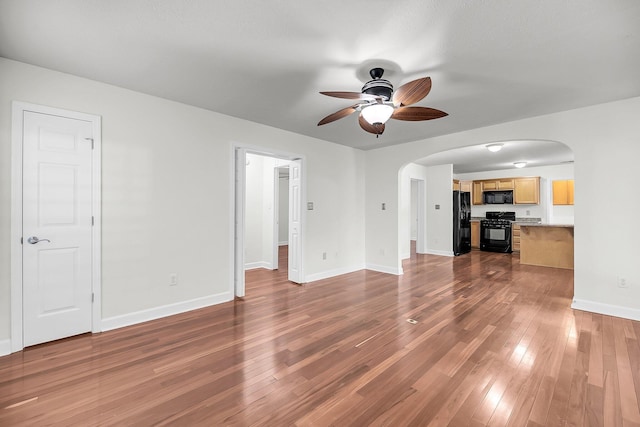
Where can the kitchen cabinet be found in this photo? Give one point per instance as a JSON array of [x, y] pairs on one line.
[[489, 185], [563, 192], [526, 191], [475, 234], [515, 237], [498, 184], [464, 186], [476, 194]]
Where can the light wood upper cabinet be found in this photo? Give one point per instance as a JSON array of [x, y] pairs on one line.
[[506, 184], [526, 191], [476, 194], [489, 185], [456, 185], [466, 186], [563, 192], [498, 184]]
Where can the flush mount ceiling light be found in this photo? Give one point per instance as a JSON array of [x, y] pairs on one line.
[[377, 113], [520, 164], [494, 147]]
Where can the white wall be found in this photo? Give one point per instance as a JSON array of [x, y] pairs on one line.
[[605, 139], [410, 172], [167, 199], [440, 221], [283, 211], [259, 212], [254, 201], [545, 210]]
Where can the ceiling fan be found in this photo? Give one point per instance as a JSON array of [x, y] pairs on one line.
[[378, 103]]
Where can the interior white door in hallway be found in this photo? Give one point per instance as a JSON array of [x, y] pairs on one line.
[[56, 227]]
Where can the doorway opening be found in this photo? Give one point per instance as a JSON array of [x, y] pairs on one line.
[[268, 214]]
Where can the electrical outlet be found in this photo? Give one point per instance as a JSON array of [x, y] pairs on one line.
[[622, 282], [528, 212], [173, 279], [384, 206]]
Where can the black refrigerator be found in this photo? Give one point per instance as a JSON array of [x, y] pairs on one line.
[[461, 222]]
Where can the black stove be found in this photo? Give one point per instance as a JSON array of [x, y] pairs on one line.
[[495, 231]]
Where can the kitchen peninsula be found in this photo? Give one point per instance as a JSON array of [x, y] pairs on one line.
[[547, 245]]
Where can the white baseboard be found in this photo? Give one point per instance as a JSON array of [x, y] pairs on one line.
[[332, 273], [259, 264], [163, 311], [385, 269], [5, 347], [608, 309], [438, 252], [283, 243]]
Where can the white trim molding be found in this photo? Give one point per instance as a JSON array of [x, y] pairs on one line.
[[332, 273], [437, 252], [17, 124], [258, 264], [385, 269], [5, 347], [154, 313], [607, 309]]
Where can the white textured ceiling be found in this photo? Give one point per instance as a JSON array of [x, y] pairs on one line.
[[266, 61]]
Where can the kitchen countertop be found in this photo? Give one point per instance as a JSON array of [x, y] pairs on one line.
[[539, 224]]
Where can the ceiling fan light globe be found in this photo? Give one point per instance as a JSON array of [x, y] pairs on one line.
[[377, 113]]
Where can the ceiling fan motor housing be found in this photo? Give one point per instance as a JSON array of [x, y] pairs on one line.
[[378, 87]]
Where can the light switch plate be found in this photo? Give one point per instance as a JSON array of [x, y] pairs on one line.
[[309, 206]]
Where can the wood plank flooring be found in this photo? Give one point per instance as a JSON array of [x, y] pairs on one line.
[[495, 343]]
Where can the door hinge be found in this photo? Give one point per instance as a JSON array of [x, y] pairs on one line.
[[21, 241], [90, 139], [93, 297], [92, 222]]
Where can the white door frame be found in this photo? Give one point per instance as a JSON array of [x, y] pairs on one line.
[[238, 190], [421, 238], [18, 110]]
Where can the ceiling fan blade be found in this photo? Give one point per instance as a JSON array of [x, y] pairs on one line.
[[412, 92], [337, 115], [349, 95], [376, 129], [415, 114]]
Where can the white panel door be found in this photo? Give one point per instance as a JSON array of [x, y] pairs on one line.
[[295, 222], [57, 299]]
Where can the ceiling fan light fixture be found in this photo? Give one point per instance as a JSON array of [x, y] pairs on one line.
[[377, 113], [520, 164], [494, 147]]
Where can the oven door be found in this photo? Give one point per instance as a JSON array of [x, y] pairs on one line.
[[495, 238]]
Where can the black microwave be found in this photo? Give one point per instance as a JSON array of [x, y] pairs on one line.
[[498, 197]]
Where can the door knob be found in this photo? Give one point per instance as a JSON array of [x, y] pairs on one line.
[[33, 240]]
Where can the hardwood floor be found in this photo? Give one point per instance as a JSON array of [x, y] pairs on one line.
[[494, 343]]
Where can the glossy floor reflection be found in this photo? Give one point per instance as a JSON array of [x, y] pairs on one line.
[[495, 343]]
